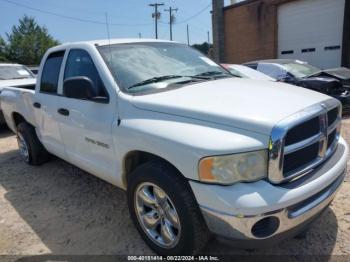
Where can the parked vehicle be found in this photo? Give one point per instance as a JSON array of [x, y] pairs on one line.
[[198, 151], [246, 72], [333, 82], [14, 75]]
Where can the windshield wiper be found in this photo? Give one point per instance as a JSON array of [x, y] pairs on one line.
[[168, 77], [155, 80], [213, 74]]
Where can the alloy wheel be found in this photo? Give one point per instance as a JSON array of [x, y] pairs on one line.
[[23, 148], [157, 215]]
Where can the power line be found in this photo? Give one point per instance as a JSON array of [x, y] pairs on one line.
[[74, 9], [69, 17], [171, 20], [197, 23], [195, 15], [156, 16]]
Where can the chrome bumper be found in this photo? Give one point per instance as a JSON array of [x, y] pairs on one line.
[[241, 228]]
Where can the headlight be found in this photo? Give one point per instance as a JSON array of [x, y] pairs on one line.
[[244, 167]]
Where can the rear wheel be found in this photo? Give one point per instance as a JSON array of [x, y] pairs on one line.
[[163, 208], [23, 147], [30, 148]]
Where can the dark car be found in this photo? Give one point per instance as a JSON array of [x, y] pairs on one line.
[[333, 82]]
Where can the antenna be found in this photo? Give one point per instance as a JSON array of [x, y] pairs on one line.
[[107, 28], [188, 35], [109, 40]]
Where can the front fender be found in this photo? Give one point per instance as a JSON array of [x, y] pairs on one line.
[[182, 141]]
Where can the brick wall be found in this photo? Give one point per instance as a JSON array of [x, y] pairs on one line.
[[250, 31]]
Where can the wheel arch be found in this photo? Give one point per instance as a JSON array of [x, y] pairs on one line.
[[17, 119], [135, 158]]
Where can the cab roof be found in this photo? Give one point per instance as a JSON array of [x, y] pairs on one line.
[[104, 42]]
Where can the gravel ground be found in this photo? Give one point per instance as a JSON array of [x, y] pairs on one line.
[[59, 209]]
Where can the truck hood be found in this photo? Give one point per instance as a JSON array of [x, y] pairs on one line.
[[341, 73], [241, 103], [17, 82]]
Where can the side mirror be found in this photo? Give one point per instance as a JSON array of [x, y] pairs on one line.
[[79, 87]]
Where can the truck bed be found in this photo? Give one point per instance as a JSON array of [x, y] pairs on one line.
[[20, 100]]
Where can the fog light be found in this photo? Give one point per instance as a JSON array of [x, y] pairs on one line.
[[265, 227]]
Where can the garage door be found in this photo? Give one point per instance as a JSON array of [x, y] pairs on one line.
[[312, 31]]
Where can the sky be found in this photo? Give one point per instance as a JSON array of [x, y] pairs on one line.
[[126, 18]]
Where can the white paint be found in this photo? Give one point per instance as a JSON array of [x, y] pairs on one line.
[[311, 24]]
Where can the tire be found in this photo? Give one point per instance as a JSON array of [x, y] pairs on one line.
[[192, 232], [31, 149]]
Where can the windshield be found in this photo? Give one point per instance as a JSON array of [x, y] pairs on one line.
[[247, 72], [14, 72], [140, 67], [301, 70]]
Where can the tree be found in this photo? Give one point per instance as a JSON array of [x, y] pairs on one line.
[[2, 50], [28, 42], [204, 48]]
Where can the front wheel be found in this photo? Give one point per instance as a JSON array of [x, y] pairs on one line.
[[164, 210]]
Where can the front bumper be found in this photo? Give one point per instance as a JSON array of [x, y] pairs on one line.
[[252, 212]]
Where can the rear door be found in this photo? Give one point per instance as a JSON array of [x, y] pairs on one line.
[[86, 126], [45, 104]]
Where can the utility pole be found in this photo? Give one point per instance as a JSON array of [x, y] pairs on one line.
[[171, 20], [156, 16], [218, 30], [208, 38], [188, 36]]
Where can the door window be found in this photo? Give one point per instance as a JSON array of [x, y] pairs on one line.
[[51, 72], [79, 63]]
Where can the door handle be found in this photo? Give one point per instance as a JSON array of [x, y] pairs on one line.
[[37, 105], [63, 111]]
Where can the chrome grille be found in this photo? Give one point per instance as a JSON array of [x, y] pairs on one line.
[[303, 141]]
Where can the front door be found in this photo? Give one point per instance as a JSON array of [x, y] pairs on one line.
[[86, 126]]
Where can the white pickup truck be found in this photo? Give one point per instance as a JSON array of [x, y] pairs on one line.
[[198, 151], [15, 75]]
